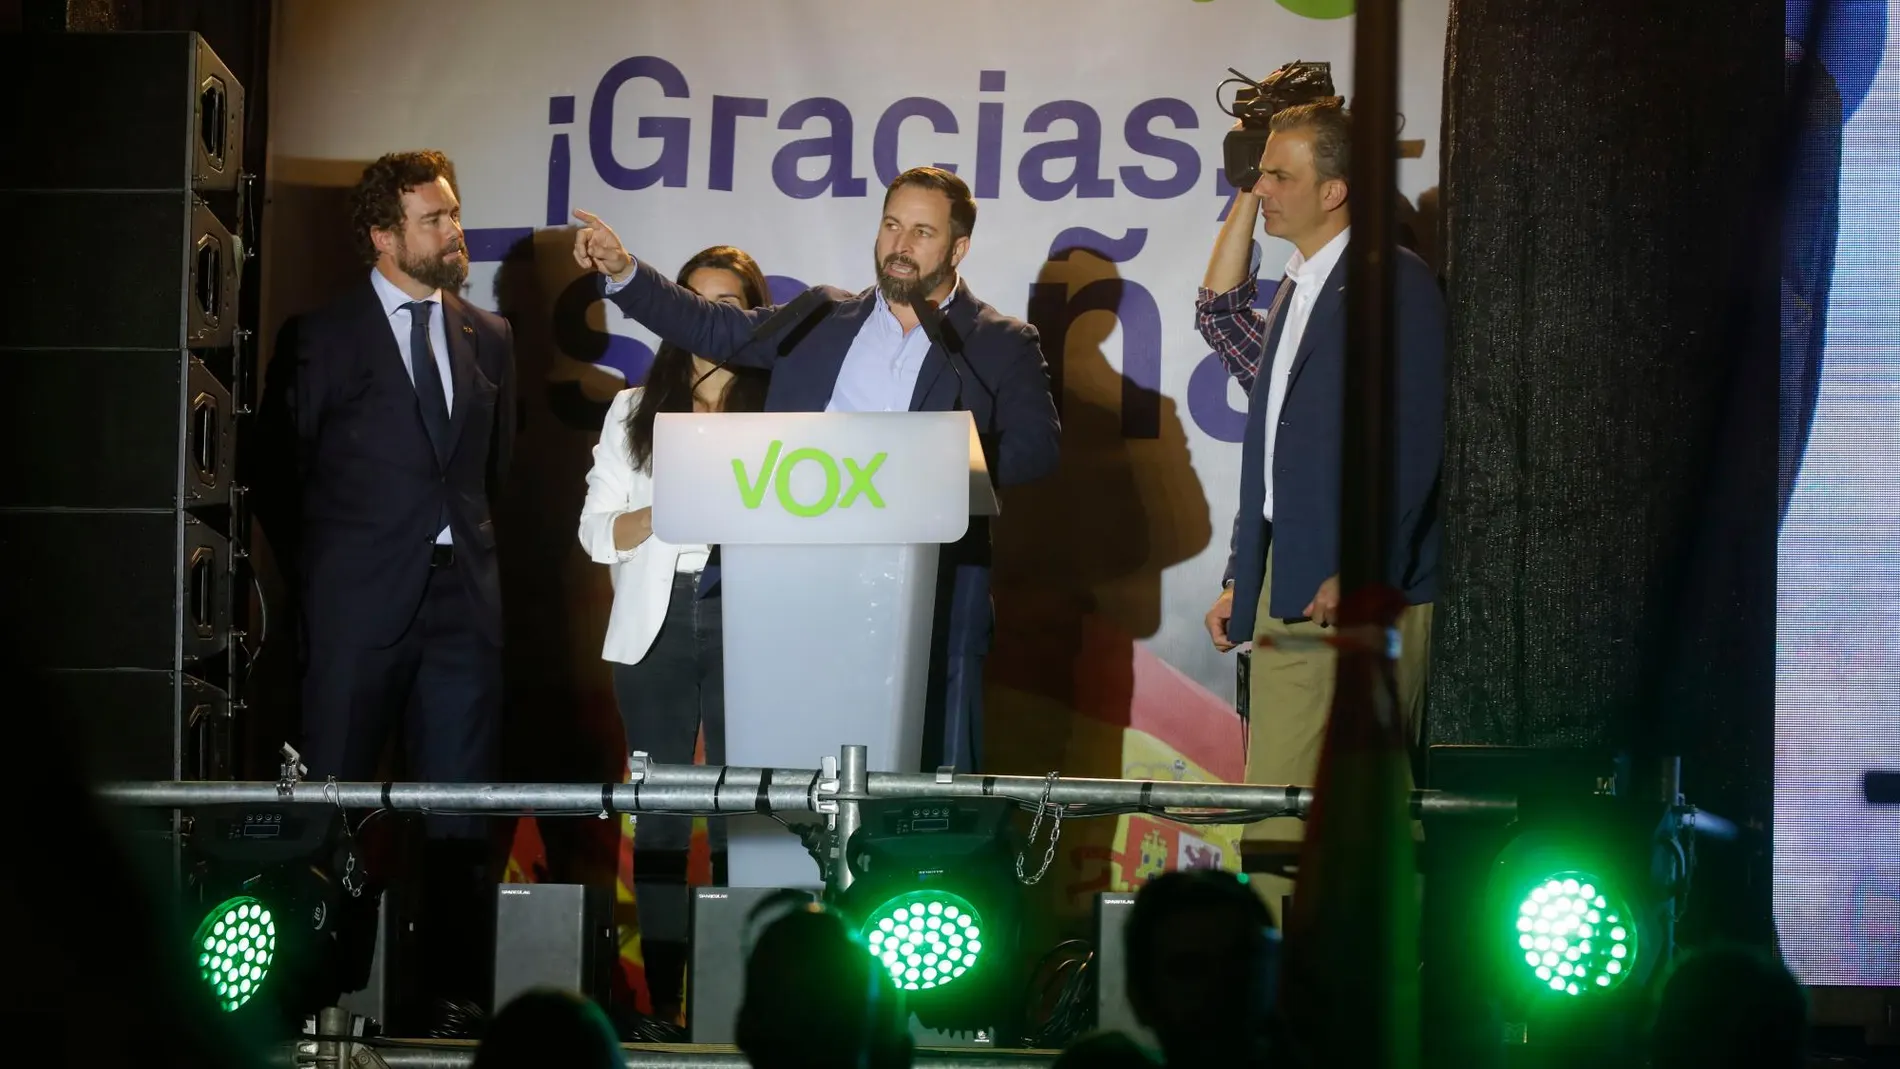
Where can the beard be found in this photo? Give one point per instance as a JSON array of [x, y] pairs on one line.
[[899, 290], [447, 270]]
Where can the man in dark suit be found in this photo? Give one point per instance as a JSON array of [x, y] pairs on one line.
[[388, 415], [871, 354], [1283, 571]]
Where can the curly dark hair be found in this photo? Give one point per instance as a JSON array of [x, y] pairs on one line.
[[376, 202]]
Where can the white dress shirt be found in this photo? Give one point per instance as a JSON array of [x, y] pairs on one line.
[[1308, 278], [642, 576], [393, 300]]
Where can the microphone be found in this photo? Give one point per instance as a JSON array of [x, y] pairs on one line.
[[930, 317], [1881, 788], [794, 310]]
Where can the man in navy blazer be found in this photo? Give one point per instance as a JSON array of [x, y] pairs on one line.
[[385, 428], [1283, 571], [871, 354]]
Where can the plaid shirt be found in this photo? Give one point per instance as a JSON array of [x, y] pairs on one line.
[[1236, 331]]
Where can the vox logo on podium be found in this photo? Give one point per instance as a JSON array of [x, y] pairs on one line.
[[776, 470]]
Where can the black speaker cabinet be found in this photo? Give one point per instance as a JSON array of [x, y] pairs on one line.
[[119, 111], [170, 282], [553, 935], [115, 589], [135, 724], [716, 977], [115, 429], [391, 982], [1113, 1012]]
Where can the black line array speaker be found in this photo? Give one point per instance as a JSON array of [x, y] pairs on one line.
[[130, 111], [122, 529], [116, 429], [145, 589], [170, 281]]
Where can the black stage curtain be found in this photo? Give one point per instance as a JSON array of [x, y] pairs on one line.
[[1612, 172]]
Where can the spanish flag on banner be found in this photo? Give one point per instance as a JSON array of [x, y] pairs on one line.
[[1351, 988], [1077, 691]]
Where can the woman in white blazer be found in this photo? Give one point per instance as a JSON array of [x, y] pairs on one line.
[[663, 635]]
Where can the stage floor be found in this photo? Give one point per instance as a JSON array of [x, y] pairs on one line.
[[457, 1054]]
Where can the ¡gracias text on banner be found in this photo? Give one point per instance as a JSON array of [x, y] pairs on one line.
[[1178, 163], [1051, 306]]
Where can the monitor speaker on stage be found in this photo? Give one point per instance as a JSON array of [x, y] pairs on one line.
[[1113, 1011], [715, 980], [553, 935]]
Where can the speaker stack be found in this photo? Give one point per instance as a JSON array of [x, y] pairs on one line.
[[121, 529]]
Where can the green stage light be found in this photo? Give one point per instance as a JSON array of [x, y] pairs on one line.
[[287, 881], [935, 899], [925, 939], [235, 943], [1573, 935]]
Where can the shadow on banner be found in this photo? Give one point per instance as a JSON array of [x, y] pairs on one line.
[[1078, 585]]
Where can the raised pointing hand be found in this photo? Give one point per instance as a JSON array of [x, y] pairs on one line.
[[598, 248]]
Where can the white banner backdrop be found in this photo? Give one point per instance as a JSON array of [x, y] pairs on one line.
[[774, 126], [1091, 136]]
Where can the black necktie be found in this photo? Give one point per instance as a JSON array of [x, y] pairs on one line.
[[428, 378]]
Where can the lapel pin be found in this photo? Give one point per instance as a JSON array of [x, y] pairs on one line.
[[466, 329]]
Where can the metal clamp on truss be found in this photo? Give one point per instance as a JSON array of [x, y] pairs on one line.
[[291, 772], [824, 791]]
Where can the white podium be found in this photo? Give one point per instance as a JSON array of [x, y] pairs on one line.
[[828, 526]]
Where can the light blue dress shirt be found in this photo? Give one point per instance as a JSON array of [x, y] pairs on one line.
[[880, 370]]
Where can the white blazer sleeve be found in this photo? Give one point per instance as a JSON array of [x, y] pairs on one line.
[[614, 487]]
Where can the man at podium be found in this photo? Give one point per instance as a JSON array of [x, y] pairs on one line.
[[874, 352]]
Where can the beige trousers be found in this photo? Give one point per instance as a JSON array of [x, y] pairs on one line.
[[1289, 697]]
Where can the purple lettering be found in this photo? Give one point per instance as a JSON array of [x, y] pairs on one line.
[[884, 153], [780, 289], [989, 138], [1207, 392], [672, 132], [1187, 162], [1084, 150], [560, 166], [725, 125], [574, 336], [835, 146], [560, 160]]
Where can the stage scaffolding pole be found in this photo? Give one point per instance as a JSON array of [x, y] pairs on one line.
[[723, 790]]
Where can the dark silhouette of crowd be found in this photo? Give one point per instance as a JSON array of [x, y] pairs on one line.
[[97, 980]]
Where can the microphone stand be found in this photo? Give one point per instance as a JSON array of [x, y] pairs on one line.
[[930, 317]]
